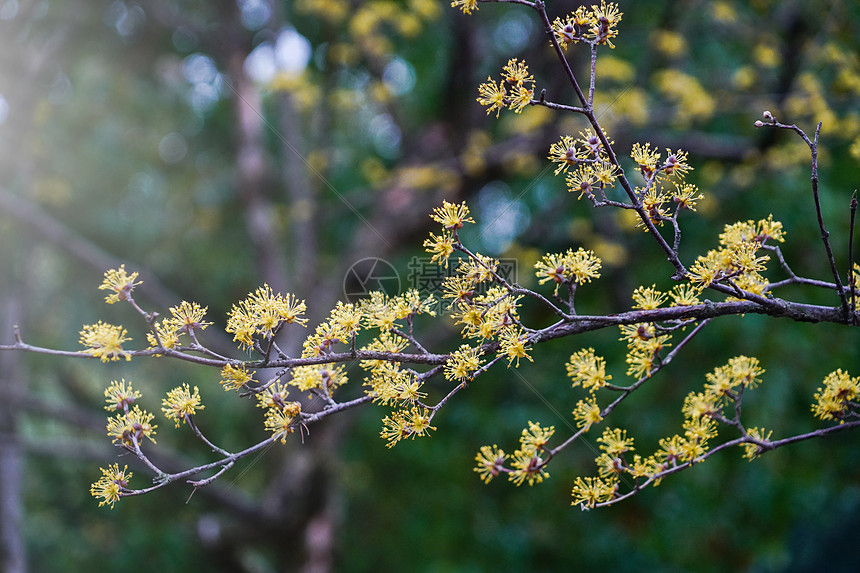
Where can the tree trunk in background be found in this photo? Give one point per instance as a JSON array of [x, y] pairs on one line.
[[12, 547]]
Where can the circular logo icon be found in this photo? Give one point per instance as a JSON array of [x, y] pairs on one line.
[[368, 275]]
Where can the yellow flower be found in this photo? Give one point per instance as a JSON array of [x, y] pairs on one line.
[[676, 163], [614, 441], [744, 257], [517, 73], [588, 492], [585, 368], [380, 311], [587, 413], [520, 98], [406, 424], [188, 316], [462, 363], [131, 427], [700, 404], [235, 376], [492, 95], [120, 396], [346, 318], [465, 5], [673, 450], [648, 298], [167, 334], [578, 267], [121, 283], [280, 421], [440, 247], [687, 196], [111, 486], [565, 31], [835, 399], [104, 341], [700, 430], [452, 216], [741, 371], [582, 180], [563, 153], [263, 313], [684, 295], [646, 158], [604, 21], [536, 437], [181, 404], [527, 466], [491, 461], [513, 343], [751, 449]]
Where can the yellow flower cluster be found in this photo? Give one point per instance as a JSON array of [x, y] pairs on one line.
[[664, 182], [612, 463], [323, 377], [462, 363], [736, 259], [588, 370], [571, 267], [235, 376], [592, 170], [119, 283], [452, 217], [113, 483], [130, 427], [491, 462], [120, 395], [836, 398], [701, 409], [751, 449], [589, 491], [181, 403], [406, 424], [104, 341], [587, 413], [343, 323], [263, 313], [387, 381], [187, 318], [595, 26], [280, 420], [126, 429], [527, 463], [644, 340], [723, 388], [514, 90], [281, 414], [465, 5]]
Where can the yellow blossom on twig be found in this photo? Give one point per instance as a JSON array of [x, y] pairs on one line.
[[104, 341], [110, 487], [491, 461], [120, 396], [120, 283], [181, 403]]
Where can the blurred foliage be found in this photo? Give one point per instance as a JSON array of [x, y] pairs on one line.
[[119, 120]]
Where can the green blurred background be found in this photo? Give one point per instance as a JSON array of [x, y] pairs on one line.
[[217, 145]]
